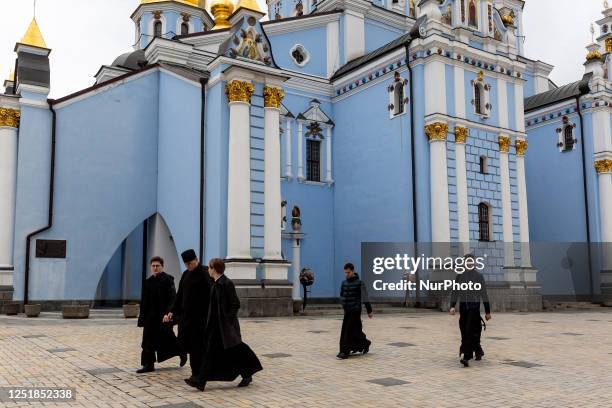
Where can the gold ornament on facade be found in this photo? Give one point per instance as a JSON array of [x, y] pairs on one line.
[[508, 19], [608, 44], [273, 97], [521, 147], [239, 91], [603, 166], [461, 134], [480, 76], [594, 55], [504, 144], [157, 14], [9, 117], [436, 131], [221, 11]]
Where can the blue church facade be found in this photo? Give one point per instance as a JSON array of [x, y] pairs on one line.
[[286, 143]]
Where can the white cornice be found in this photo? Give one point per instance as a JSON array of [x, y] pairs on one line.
[[9, 101], [437, 117], [282, 27], [169, 6]]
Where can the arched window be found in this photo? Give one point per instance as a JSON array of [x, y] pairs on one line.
[[157, 29], [398, 98], [184, 29], [473, 19], [478, 99], [483, 222], [483, 164], [568, 137]]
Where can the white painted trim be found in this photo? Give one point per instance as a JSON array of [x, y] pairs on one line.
[[440, 223], [8, 192], [506, 202], [519, 108], [502, 103], [462, 194], [328, 166], [278, 27], [605, 211], [459, 91], [300, 151], [272, 185], [435, 87], [354, 35], [473, 125], [523, 216], [151, 28], [288, 167], [333, 49], [179, 23]]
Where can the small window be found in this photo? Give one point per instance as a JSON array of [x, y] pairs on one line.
[[313, 160], [473, 20], [398, 99], [184, 29], [483, 164], [568, 138], [157, 29], [483, 222], [478, 99], [299, 55]]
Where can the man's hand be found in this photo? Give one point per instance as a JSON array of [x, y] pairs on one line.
[[488, 317], [452, 311], [167, 318], [370, 315]]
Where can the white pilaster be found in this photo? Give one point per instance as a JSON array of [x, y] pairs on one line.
[[519, 107], [272, 188], [504, 169], [502, 103], [459, 92], [522, 203], [605, 206], [435, 87], [440, 224], [328, 162], [288, 173], [239, 179], [295, 268], [602, 136], [461, 135], [300, 143], [333, 49], [354, 35], [8, 190]]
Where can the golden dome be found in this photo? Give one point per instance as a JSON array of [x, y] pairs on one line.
[[195, 3], [248, 4], [11, 76], [221, 10], [33, 36]]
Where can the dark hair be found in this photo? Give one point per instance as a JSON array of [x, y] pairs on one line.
[[217, 264], [157, 259], [349, 266]]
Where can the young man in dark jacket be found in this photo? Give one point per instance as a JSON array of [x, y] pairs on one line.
[[469, 312], [157, 337], [353, 293]]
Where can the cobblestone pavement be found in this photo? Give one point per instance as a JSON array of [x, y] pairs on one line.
[[532, 360]]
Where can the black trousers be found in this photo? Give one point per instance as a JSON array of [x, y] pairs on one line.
[[196, 356], [471, 329], [352, 337]]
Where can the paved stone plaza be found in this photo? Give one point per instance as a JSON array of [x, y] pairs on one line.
[[532, 360]]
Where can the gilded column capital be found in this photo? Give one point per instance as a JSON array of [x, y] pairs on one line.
[[461, 134], [436, 131], [273, 97], [504, 143], [603, 166], [521, 147], [239, 91], [9, 117]]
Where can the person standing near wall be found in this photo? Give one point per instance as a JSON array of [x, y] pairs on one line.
[[158, 295]]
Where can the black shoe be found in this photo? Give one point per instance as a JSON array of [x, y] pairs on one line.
[[201, 386], [145, 369], [192, 382], [245, 382], [342, 356], [367, 348], [478, 357], [464, 362], [183, 359]]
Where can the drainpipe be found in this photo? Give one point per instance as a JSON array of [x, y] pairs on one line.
[[203, 82], [50, 208]]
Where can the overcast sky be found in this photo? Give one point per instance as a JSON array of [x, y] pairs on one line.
[[86, 34]]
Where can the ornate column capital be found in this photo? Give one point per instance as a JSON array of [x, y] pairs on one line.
[[521, 147], [461, 134], [436, 131], [603, 166], [239, 91], [504, 143], [273, 97], [9, 117]]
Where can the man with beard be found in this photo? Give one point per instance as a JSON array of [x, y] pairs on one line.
[[158, 294], [352, 294], [469, 311], [191, 309]]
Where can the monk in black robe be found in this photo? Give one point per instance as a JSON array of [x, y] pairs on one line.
[[226, 355], [352, 294], [158, 294], [190, 308], [469, 312]]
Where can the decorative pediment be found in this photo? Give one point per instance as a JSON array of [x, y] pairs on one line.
[[315, 114], [248, 41]]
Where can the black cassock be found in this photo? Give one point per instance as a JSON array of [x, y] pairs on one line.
[[190, 310], [157, 337], [353, 294], [226, 356], [469, 313]]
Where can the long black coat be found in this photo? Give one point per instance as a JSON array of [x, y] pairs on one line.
[[157, 297], [190, 307], [228, 305]]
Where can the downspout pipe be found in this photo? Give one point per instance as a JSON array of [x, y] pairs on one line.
[[203, 83], [26, 286]]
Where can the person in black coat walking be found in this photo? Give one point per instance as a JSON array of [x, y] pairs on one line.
[[469, 312], [190, 308], [158, 294], [226, 356], [353, 293]]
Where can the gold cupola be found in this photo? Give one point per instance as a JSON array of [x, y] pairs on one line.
[[33, 36], [195, 3], [221, 11], [248, 4]]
